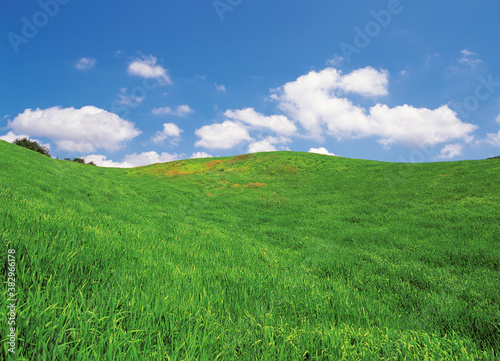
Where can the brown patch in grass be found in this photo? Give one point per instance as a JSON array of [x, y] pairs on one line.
[[212, 164], [239, 158], [174, 172], [235, 185], [210, 194], [255, 185], [243, 157]]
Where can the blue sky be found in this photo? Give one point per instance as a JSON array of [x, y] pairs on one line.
[[128, 83]]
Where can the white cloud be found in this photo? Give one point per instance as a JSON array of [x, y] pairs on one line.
[[80, 130], [417, 127], [181, 111], [321, 150], [146, 67], [313, 99], [366, 81], [220, 87], [86, 63], [469, 58], [131, 160], [451, 151], [268, 145], [200, 155], [149, 158], [102, 161], [170, 130], [129, 100], [493, 139], [261, 146], [498, 118], [317, 100], [11, 138], [222, 135], [277, 123], [335, 61]]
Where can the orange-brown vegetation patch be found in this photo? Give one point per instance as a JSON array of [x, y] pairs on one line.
[[210, 194], [235, 185], [174, 172], [243, 157], [255, 185], [212, 164], [239, 158]]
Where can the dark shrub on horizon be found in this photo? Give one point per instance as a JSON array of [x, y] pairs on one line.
[[79, 160], [32, 145]]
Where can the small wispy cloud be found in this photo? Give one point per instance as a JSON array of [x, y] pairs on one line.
[[335, 61], [147, 67], [493, 139], [469, 58], [129, 99], [451, 151], [181, 111], [86, 63], [220, 87]]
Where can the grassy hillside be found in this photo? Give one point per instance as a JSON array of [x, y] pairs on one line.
[[286, 256]]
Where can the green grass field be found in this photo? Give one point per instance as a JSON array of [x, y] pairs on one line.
[[270, 256]]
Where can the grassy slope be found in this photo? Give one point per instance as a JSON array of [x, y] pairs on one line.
[[269, 256]]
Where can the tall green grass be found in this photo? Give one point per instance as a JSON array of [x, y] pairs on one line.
[[271, 256]]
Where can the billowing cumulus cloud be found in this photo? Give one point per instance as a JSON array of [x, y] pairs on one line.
[[316, 99], [269, 144], [131, 160], [11, 138], [277, 123], [200, 155], [170, 131], [417, 127], [366, 81], [321, 150], [76, 130], [319, 102], [222, 135]]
